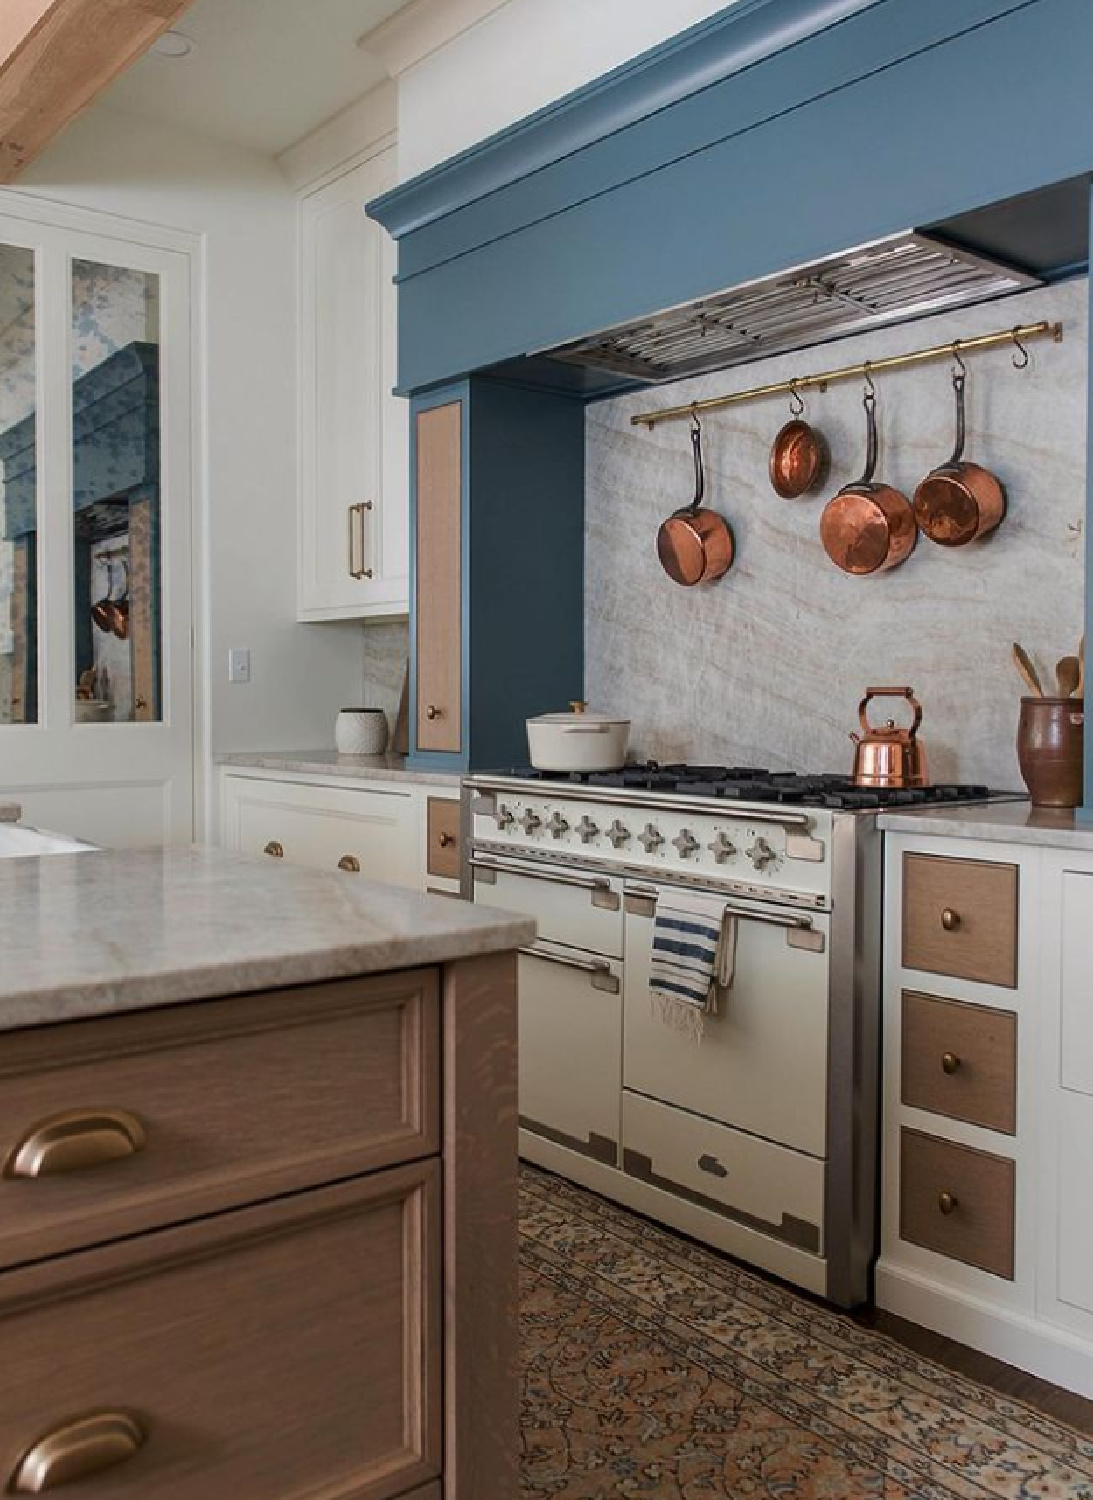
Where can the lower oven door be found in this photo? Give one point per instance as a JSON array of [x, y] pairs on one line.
[[761, 1064], [570, 905], [571, 1048]]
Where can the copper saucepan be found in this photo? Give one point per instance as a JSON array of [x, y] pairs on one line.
[[868, 527], [959, 501], [799, 455], [695, 545]]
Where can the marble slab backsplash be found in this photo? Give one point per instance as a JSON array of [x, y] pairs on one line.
[[766, 666], [386, 650]]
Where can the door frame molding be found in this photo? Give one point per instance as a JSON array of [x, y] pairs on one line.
[[41, 208]]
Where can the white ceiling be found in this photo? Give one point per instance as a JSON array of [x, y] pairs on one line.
[[265, 73]]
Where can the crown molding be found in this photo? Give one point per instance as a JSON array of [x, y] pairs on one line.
[[421, 28]]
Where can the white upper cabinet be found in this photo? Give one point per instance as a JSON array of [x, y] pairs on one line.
[[354, 478]]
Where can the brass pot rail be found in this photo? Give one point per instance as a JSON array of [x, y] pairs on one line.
[[1024, 333]]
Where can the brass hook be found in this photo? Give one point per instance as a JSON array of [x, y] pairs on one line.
[[1022, 363], [796, 405], [696, 425], [870, 387], [961, 367]]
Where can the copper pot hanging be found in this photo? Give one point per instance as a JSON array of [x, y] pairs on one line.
[[959, 501], [695, 545], [868, 527], [799, 455]]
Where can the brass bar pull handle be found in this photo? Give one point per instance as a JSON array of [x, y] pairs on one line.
[[949, 1062], [73, 1141], [350, 864], [357, 568], [275, 849], [76, 1451], [950, 919], [947, 1202]]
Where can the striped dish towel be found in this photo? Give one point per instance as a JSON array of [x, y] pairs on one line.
[[694, 955]]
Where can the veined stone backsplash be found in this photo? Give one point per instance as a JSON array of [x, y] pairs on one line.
[[386, 650], [766, 666]]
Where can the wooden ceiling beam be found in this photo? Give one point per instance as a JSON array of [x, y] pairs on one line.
[[56, 56]]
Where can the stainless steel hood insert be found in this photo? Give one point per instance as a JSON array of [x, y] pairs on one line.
[[887, 281]]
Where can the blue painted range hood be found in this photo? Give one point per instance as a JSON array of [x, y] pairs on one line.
[[776, 133]]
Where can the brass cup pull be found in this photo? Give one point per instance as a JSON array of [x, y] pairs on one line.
[[432, 712], [350, 864], [446, 840], [76, 1451], [950, 919], [949, 1062], [73, 1141], [274, 849], [947, 1202]]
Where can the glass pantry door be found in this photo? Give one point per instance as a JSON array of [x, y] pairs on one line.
[[96, 674]]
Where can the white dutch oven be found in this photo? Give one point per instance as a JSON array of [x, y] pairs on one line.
[[577, 741]]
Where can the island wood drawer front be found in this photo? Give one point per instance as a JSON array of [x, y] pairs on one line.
[[960, 1060], [443, 837], [960, 918], [234, 1100], [271, 1353], [957, 1201]]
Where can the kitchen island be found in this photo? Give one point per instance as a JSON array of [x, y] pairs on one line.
[[258, 1202]]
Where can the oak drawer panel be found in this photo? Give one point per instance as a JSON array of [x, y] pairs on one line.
[[442, 856], [976, 1187], [960, 918], [960, 1060], [236, 1099], [276, 1352]]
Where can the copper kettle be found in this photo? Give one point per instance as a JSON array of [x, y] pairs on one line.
[[889, 755]]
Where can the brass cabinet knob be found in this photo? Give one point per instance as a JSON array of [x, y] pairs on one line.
[[946, 1202], [74, 1140], [949, 1062], [77, 1450], [432, 712], [446, 840], [274, 850], [350, 864], [950, 919]]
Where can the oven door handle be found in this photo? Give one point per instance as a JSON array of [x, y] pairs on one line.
[[800, 933], [598, 885], [598, 968]]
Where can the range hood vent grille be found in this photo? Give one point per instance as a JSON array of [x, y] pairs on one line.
[[887, 281]]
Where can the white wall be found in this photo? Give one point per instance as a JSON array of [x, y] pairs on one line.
[[520, 58], [241, 206]]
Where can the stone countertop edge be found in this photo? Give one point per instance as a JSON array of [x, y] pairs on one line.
[[167, 927], [388, 767], [997, 822], [10, 812]]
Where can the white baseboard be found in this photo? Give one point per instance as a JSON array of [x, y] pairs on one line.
[[1039, 1348]]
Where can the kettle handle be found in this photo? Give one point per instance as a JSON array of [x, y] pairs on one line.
[[889, 692]]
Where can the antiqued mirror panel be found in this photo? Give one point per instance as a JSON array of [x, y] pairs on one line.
[[116, 493], [18, 488]]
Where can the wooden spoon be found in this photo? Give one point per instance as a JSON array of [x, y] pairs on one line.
[[1067, 672], [1027, 670]]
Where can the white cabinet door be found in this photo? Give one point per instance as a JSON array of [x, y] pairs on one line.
[[354, 485]]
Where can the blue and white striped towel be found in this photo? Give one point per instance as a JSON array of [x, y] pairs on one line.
[[694, 955]]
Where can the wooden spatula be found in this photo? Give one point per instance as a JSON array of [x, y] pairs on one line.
[[1027, 670], [1068, 669]]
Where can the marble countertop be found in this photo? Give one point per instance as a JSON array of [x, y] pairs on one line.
[[997, 822], [10, 812], [94, 933], [389, 767]]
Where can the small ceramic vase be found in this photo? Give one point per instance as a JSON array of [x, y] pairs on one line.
[[361, 731]]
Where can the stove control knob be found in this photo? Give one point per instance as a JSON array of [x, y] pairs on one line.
[[587, 829], [557, 825], [685, 843], [618, 834], [721, 847], [650, 838], [761, 854], [530, 821], [504, 816]]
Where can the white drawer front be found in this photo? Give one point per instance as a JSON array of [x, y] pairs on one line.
[[764, 1187], [571, 1049], [321, 826], [1077, 967]]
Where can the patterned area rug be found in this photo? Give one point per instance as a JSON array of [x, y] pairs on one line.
[[656, 1369]]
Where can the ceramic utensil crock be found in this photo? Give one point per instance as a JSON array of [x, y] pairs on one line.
[[1050, 738], [361, 731]]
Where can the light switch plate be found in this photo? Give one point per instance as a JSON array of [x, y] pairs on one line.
[[239, 664]]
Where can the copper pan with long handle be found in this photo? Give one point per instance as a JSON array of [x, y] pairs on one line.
[[868, 527], [959, 502], [696, 545]]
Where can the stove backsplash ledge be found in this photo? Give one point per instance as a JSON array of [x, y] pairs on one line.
[[767, 666]]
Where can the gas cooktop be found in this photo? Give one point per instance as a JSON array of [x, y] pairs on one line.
[[756, 784]]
